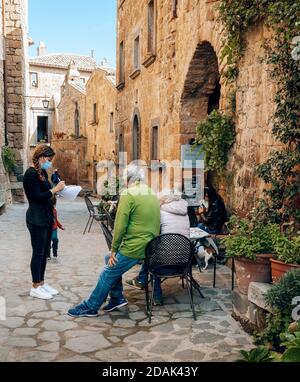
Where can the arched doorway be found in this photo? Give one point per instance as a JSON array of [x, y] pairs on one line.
[[201, 92], [136, 138]]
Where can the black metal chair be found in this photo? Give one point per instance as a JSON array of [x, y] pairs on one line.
[[107, 234], [169, 251], [94, 214]]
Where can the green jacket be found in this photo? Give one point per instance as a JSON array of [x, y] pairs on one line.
[[137, 221]]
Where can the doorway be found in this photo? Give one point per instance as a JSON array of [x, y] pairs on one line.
[[42, 130]]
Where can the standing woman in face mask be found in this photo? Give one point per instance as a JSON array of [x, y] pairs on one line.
[[39, 217]]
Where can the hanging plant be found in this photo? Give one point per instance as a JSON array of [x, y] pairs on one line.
[[9, 159], [216, 135]]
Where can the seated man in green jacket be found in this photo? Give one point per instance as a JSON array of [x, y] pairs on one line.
[[137, 223]]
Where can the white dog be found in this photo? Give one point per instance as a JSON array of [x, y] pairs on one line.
[[204, 253]]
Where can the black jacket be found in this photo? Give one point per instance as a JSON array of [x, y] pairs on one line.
[[40, 211], [216, 215]]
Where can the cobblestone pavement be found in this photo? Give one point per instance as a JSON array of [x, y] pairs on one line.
[[37, 330]]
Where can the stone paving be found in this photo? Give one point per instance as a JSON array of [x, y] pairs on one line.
[[37, 330]]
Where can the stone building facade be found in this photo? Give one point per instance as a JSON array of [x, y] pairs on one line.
[[100, 120], [69, 132], [169, 68], [47, 74], [84, 132], [13, 84]]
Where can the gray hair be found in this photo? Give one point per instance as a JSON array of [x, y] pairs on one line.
[[134, 173]]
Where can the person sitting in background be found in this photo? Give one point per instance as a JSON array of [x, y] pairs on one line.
[[212, 219], [173, 219], [136, 224]]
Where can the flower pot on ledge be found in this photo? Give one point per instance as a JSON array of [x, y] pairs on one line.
[[279, 268], [248, 271]]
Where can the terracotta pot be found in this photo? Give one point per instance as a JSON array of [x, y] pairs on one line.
[[248, 271], [279, 269]]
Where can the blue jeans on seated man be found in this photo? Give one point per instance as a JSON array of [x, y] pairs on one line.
[[208, 230], [110, 282]]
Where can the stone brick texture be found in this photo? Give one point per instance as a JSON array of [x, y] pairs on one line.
[[176, 88]]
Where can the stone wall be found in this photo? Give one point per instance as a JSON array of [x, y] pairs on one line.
[[65, 122], [15, 47], [176, 87], [4, 181], [100, 91], [13, 61], [71, 150], [70, 159]]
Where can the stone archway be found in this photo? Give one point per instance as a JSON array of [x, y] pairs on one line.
[[201, 92]]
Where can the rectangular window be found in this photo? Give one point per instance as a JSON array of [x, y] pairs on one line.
[[137, 53], [174, 8], [121, 63], [121, 143], [154, 146], [95, 113], [42, 130], [34, 80], [151, 28], [111, 122]]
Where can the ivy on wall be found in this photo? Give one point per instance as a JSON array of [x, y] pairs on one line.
[[281, 171], [216, 135]]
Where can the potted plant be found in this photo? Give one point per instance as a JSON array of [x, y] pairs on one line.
[[250, 243], [286, 254]]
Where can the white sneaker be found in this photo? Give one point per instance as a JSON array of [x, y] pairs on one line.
[[50, 290], [40, 293]]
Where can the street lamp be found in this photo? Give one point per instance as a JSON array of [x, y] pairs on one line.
[[45, 103]]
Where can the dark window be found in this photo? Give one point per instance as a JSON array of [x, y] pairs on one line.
[[151, 27], [136, 53], [77, 121], [154, 147], [121, 143], [121, 63], [95, 116], [42, 129], [34, 80], [111, 122], [174, 7], [136, 139]]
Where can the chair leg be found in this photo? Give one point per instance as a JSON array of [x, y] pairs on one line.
[[87, 225], [152, 299], [147, 297], [190, 291], [232, 273], [215, 270], [91, 224]]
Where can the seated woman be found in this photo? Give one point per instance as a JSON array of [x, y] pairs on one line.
[[212, 219], [173, 219]]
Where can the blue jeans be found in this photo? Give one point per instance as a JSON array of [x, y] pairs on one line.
[[110, 281], [206, 229], [54, 242], [142, 278]]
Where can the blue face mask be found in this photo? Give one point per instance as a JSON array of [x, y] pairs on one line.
[[46, 166]]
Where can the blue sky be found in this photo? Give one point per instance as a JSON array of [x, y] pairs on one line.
[[74, 26]]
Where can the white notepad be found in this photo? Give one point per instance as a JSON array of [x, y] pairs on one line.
[[70, 192]]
